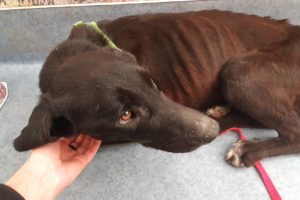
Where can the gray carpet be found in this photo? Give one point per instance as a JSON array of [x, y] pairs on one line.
[[131, 171]]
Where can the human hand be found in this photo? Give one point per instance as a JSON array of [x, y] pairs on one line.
[[53, 167]]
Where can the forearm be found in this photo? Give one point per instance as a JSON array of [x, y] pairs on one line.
[[53, 167], [33, 183]]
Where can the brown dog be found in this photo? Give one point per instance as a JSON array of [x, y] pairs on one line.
[[197, 59]]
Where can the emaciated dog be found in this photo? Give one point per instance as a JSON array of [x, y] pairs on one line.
[[172, 67]]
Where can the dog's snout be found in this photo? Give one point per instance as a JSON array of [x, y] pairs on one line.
[[183, 129], [207, 128], [212, 131]]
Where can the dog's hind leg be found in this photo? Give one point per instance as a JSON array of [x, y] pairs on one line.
[[265, 86], [228, 117], [218, 112]]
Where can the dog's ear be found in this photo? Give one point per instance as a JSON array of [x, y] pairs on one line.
[[43, 128], [86, 33], [81, 32]]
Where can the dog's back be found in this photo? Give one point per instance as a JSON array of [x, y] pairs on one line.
[[185, 51]]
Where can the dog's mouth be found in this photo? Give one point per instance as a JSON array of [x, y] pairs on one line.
[[185, 143], [176, 128]]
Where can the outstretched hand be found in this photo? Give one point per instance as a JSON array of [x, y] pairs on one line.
[[53, 167]]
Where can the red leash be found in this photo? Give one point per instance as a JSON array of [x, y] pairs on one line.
[[274, 195]]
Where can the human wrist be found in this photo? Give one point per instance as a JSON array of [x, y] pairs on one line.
[[34, 183]]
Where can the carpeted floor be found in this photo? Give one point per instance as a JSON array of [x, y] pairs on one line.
[[134, 172], [131, 171]]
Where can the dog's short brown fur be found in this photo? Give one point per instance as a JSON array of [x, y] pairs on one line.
[[198, 59]]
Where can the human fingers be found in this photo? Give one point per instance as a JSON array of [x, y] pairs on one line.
[[91, 151], [68, 140], [75, 144], [88, 149], [85, 144], [84, 154]]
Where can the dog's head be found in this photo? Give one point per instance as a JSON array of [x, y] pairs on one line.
[[104, 93]]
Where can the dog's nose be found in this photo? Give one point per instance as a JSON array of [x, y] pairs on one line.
[[208, 129]]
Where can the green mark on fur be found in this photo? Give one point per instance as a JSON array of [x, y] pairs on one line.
[[94, 26]]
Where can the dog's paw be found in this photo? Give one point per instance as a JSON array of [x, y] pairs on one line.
[[218, 112], [234, 155]]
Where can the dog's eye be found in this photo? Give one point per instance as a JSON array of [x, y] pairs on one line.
[[125, 117]]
